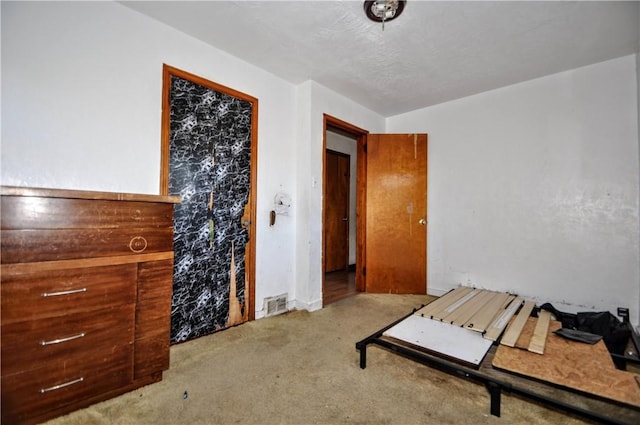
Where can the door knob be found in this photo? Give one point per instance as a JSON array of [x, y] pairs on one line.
[[422, 221]]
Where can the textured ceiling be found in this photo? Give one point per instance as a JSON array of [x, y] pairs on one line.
[[434, 52]]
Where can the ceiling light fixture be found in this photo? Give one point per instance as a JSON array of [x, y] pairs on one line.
[[383, 10]]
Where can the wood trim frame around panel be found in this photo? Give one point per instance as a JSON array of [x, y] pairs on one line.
[[361, 191], [167, 73]]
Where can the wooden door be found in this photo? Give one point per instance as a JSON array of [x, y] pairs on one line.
[[396, 213], [336, 221]]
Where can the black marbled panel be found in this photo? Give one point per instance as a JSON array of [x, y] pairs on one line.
[[210, 157]]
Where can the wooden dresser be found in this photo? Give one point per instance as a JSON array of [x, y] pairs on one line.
[[86, 281]]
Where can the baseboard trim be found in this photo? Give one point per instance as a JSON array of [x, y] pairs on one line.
[[311, 306], [437, 292]]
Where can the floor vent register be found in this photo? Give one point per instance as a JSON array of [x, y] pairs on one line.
[[275, 305]]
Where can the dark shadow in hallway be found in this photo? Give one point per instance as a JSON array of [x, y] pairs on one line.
[[338, 285]]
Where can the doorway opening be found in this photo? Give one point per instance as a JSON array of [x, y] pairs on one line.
[[390, 213], [339, 218], [343, 229]]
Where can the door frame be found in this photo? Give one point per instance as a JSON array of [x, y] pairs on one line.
[[361, 190], [250, 253]]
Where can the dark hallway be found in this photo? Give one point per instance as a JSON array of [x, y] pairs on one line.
[[338, 285]]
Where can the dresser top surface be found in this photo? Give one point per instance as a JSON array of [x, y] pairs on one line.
[[85, 194]]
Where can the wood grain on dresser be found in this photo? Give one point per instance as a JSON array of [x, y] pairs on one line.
[[86, 282]]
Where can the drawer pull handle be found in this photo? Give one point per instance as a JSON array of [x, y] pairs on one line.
[[55, 294], [57, 387], [58, 341], [138, 244]]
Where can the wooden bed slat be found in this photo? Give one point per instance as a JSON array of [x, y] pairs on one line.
[[443, 302], [451, 308], [501, 320], [513, 331], [468, 309], [483, 317], [539, 338]]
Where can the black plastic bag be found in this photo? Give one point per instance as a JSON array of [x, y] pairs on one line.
[[580, 336], [615, 333]]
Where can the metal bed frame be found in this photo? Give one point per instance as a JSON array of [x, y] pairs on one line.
[[494, 385]]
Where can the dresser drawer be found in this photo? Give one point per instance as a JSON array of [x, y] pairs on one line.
[[60, 384], [44, 294], [24, 246], [33, 344], [35, 212]]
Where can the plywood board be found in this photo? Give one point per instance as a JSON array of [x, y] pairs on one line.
[[539, 337], [514, 330], [443, 302], [442, 338], [571, 364], [483, 317], [502, 318]]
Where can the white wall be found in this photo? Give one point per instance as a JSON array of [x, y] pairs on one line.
[[316, 100], [347, 145], [533, 188], [638, 97], [81, 109]]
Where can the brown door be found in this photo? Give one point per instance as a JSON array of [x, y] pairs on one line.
[[396, 213], [336, 221]]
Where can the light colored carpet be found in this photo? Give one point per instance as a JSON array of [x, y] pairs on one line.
[[303, 368]]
